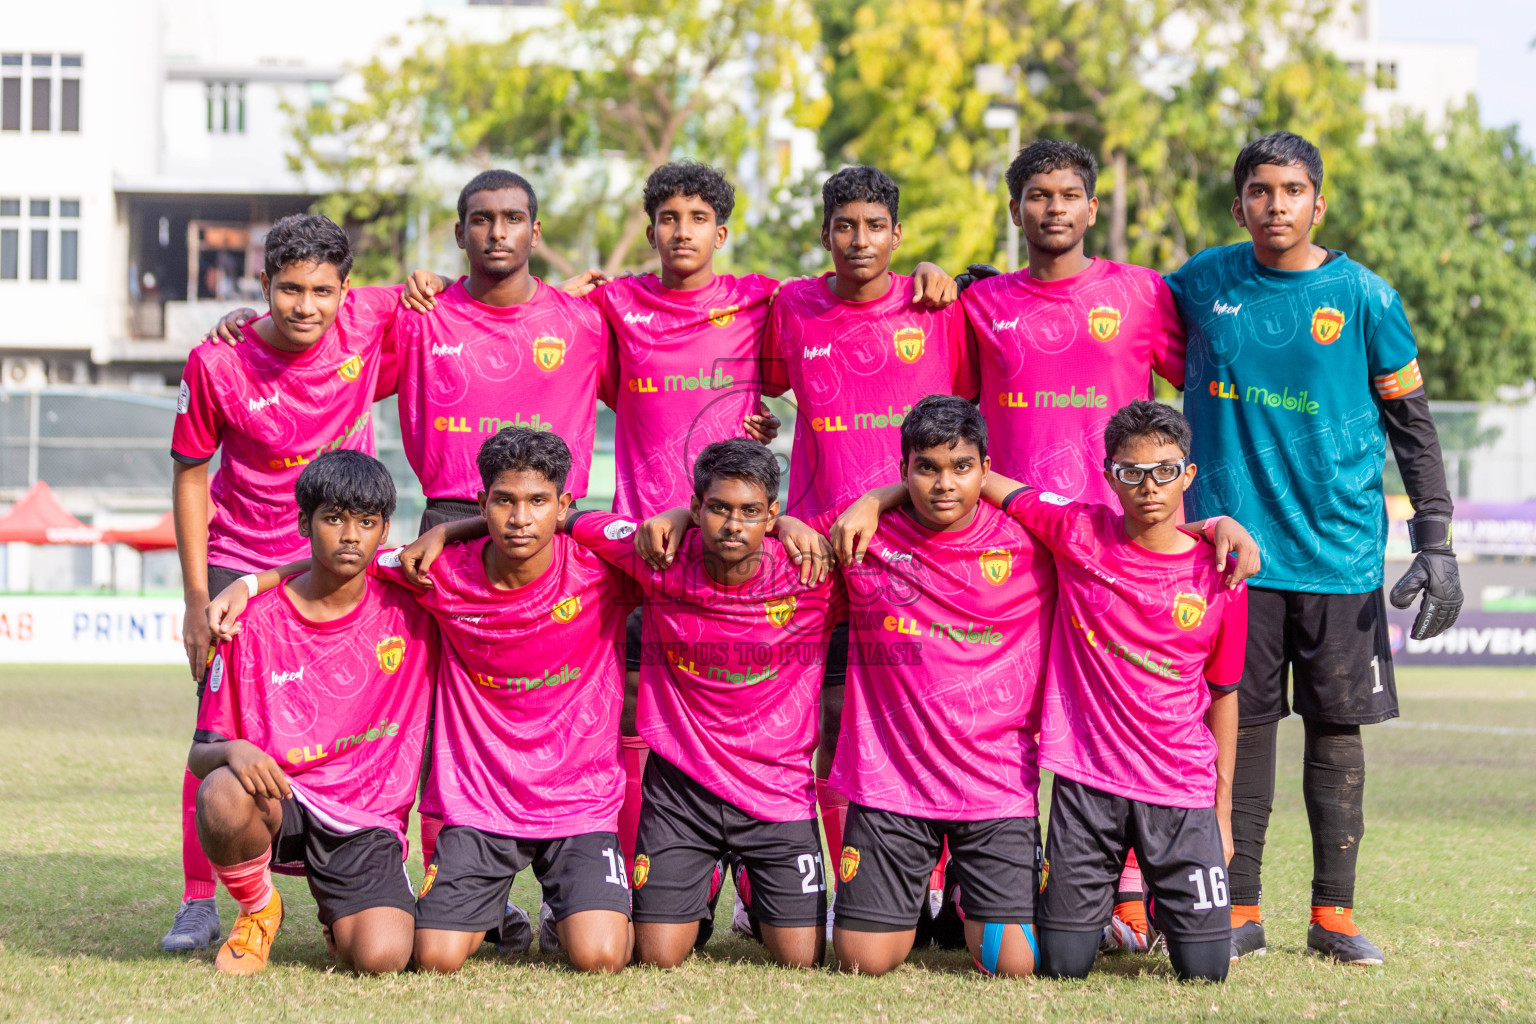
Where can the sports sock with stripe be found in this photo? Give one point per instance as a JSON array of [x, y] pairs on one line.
[[249, 882], [636, 752], [834, 817]]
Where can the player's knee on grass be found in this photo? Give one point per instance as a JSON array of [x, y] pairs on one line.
[[596, 941], [1067, 954], [794, 947], [664, 945], [872, 953], [375, 941], [441, 951], [1200, 961], [1005, 950]]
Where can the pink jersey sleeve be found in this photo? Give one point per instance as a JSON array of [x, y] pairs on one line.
[[386, 566], [1061, 523], [1224, 667], [218, 715], [612, 538], [1168, 344], [199, 419]]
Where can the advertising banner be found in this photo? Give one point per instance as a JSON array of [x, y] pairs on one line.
[[91, 630], [1478, 638]]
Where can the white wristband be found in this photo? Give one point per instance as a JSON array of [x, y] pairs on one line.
[[251, 584]]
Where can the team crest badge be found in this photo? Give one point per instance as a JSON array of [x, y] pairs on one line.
[[1104, 322], [548, 352], [1327, 323], [723, 317], [566, 610], [1188, 610], [350, 370], [848, 864], [426, 882], [909, 344], [996, 566], [642, 869], [781, 611], [391, 653]]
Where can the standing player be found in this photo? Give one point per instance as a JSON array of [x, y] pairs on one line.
[[1060, 344], [1139, 722], [1302, 366], [858, 351], [309, 736], [302, 384]]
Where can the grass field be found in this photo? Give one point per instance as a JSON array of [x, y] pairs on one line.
[[90, 874]]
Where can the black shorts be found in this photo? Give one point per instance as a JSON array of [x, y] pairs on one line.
[[684, 829], [465, 889], [219, 578], [836, 673], [632, 641], [446, 510], [887, 858], [1178, 848], [1337, 649], [348, 872]]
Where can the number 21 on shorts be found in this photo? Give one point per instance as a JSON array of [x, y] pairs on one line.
[[1218, 896]]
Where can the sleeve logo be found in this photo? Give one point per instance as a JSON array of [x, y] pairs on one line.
[[391, 652], [723, 317], [216, 673], [183, 399], [848, 864], [996, 566], [781, 611], [642, 870], [350, 370], [909, 344], [1104, 322], [390, 559], [548, 352], [619, 529], [1327, 324], [1188, 610], [566, 610]]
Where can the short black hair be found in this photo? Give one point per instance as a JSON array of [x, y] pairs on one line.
[[740, 458], [1045, 155], [495, 181], [1161, 423], [861, 184], [942, 420], [347, 481], [513, 449], [686, 178], [307, 238], [1283, 149]]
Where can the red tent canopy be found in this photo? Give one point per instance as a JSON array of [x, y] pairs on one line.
[[38, 518], [159, 537]]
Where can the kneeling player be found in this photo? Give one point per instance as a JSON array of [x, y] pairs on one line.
[[310, 732], [1139, 721]]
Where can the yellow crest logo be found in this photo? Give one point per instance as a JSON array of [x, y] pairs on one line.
[[909, 344], [642, 869], [426, 882], [350, 370], [1045, 875], [781, 611], [548, 352], [1327, 325], [848, 864], [391, 652], [996, 566], [723, 317], [1188, 610], [1104, 322], [566, 610]]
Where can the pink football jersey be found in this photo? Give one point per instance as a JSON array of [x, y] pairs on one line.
[[1140, 639]]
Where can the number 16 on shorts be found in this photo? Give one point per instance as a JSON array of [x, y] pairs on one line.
[[1218, 891]]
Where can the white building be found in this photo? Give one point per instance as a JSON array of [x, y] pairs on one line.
[[1419, 77]]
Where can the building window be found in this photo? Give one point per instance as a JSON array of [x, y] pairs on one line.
[[38, 208], [39, 255], [10, 242], [10, 207], [226, 108], [1386, 75], [42, 102], [10, 94], [69, 207], [69, 255], [69, 104]]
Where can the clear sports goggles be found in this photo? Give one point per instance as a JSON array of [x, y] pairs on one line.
[[1133, 473]]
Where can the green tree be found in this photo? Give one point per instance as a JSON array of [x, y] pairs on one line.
[[585, 109], [1448, 217]]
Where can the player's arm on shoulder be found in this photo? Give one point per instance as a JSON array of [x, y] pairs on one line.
[[416, 558], [421, 290], [852, 531], [225, 609], [228, 329], [999, 490], [258, 772], [584, 282], [1230, 538], [659, 537], [614, 539], [931, 287], [806, 547]]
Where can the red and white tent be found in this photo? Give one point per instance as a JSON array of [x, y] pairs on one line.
[[38, 518]]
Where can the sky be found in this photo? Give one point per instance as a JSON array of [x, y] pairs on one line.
[[1503, 31]]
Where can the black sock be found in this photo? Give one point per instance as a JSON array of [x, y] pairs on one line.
[[1253, 794], [1200, 961], [1067, 954], [1333, 785]]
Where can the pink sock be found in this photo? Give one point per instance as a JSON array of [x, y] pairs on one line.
[[431, 825], [636, 750], [249, 882], [834, 816], [1130, 878], [936, 876], [196, 873]]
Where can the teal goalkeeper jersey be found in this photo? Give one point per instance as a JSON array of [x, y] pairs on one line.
[[1284, 372]]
